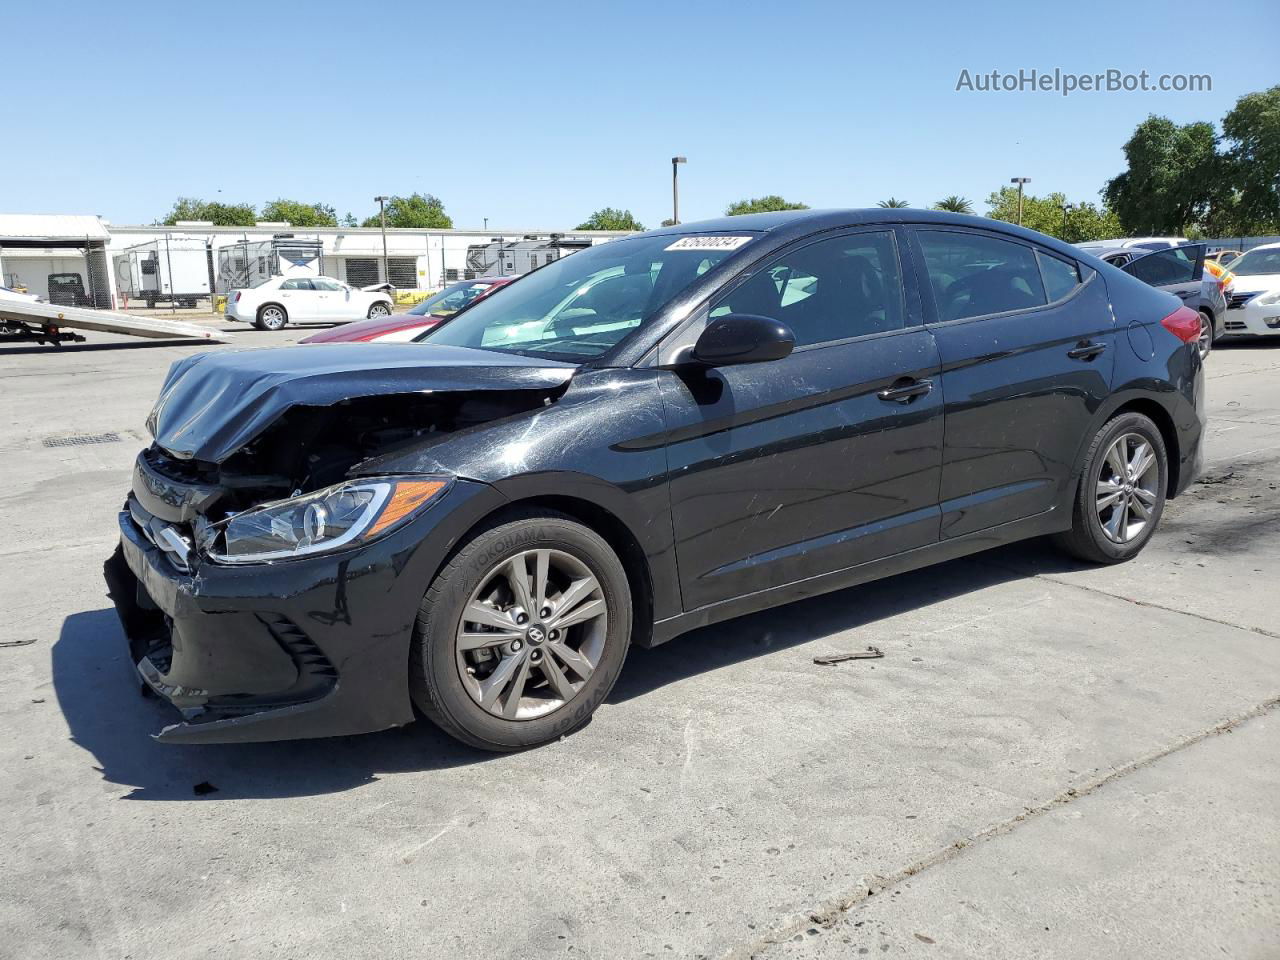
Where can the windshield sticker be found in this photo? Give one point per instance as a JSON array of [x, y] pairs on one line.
[[708, 243]]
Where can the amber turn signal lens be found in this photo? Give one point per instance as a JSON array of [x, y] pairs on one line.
[[408, 496]]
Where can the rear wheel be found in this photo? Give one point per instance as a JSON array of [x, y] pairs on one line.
[[271, 317], [522, 634], [1205, 343], [1121, 494], [379, 309]]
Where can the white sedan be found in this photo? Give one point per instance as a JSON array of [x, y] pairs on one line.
[[275, 302], [1253, 305]]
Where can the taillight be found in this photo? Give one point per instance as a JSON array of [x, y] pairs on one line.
[[235, 297], [1183, 323]]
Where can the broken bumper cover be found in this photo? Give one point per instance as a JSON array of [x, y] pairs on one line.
[[312, 647]]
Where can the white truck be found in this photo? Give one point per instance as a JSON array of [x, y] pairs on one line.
[[175, 269]]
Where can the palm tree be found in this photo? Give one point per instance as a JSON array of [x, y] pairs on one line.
[[954, 204], [892, 204]]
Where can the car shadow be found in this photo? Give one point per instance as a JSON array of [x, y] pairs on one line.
[[140, 343], [99, 693]]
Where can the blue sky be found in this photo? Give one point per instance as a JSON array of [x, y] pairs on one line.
[[536, 114]]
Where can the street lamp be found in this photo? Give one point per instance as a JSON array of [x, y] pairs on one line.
[[1020, 181], [382, 215], [675, 188], [1065, 208], [486, 223]]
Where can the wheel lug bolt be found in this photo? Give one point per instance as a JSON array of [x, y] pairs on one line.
[[553, 635], [522, 618], [544, 612], [516, 645]]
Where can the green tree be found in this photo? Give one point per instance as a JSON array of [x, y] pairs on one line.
[[893, 204], [300, 214], [220, 214], [1174, 172], [953, 204], [1077, 223], [1252, 163], [608, 218], [420, 210], [348, 220], [768, 204]]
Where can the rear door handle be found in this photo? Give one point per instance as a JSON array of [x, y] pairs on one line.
[[1084, 350], [905, 390]]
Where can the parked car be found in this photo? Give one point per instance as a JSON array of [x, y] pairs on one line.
[[403, 327], [281, 300], [1180, 271], [67, 290], [1223, 257], [1253, 306], [654, 434], [1128, 243]]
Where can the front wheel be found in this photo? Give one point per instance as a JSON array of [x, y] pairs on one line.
[[522, 634], [271, 317], [379, 310], [1121, 494]]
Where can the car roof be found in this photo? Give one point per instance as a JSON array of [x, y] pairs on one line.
[[784, 224]]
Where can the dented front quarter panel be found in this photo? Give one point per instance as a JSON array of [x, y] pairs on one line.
[[601, 442]]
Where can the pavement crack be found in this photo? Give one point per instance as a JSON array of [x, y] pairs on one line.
[[828, 913]]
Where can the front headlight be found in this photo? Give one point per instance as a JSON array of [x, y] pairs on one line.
[[325, 520], [1269, 299]]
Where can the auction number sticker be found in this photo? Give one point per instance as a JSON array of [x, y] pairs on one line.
[[708, 243]]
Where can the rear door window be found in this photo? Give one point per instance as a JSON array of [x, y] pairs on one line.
[[1166, 267], [974, 274]]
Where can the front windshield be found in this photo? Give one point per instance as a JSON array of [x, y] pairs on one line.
[[1255, 263], [451, 299], [580, 306]]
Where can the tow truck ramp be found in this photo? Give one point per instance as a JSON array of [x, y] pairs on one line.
[[49, 323]]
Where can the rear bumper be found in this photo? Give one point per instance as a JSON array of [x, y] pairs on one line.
[[306, 648]]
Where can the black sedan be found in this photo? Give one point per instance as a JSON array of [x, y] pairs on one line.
[[654, 434]]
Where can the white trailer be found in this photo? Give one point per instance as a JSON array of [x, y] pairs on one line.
[[175, 269]]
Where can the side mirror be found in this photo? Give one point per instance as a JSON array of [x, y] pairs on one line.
[[742, 338]]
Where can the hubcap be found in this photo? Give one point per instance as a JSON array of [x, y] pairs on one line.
[[1126, 489], [520, 668]]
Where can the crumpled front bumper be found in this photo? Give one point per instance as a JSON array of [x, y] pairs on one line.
[[305, 648]]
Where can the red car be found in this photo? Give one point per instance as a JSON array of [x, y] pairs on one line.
[[403, 327]]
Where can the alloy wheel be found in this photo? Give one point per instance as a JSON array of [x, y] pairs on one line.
[[273, 318], [379, 310], [531, 634], [1205, 342], [1126, 490]]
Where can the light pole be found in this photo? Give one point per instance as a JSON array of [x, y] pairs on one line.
[[382, 215], [486, 223], [1020, 181], [1065, 208], [675, 188]]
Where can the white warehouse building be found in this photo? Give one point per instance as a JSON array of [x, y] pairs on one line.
[[87, 255]]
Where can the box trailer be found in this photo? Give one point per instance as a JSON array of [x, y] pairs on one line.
[[505, 258], [173, 269]]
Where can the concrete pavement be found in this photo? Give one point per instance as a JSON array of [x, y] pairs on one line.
[[1042, 746]]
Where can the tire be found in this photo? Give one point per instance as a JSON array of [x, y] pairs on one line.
[[272, 316], [449, 682], [1205, 343], [379, 309], [1099, 535]]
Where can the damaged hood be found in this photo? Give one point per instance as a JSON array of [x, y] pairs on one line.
[[212, 404]]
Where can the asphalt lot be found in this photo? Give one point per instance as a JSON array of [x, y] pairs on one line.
[[1050, 761]]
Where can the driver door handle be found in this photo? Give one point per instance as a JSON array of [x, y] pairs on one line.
[[904, 390], [1086, 350]]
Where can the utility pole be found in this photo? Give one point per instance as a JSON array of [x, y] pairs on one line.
[[382, 215], [1020, 181], [675, 188]]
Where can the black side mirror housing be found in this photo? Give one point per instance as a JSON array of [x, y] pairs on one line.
[[742, 338]]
